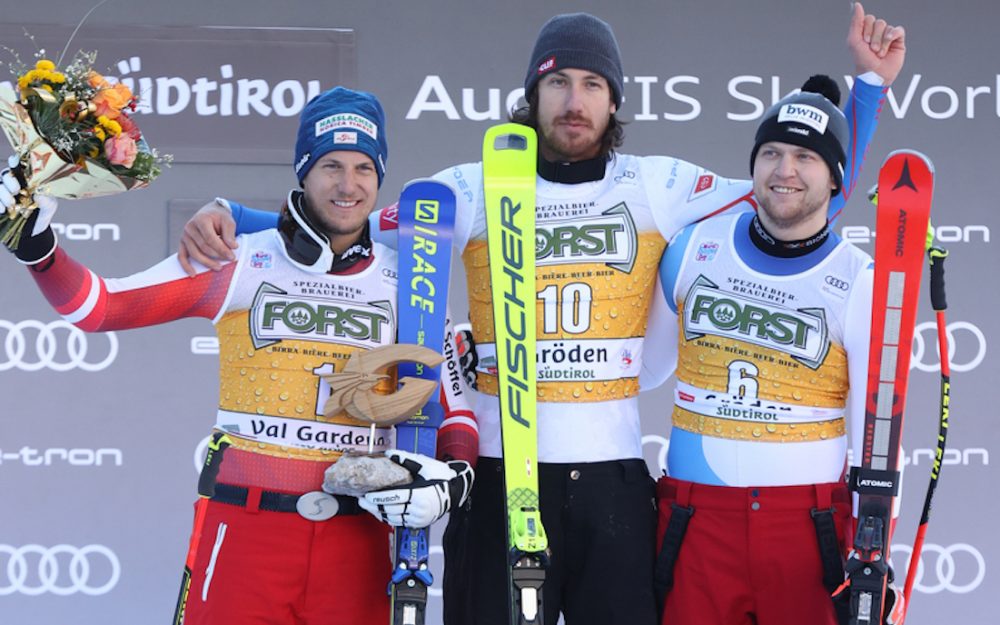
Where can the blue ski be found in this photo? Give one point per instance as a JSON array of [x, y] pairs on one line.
[[426, 225]]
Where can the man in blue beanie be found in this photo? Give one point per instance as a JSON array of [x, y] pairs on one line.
[[268, 545], [594, 290]]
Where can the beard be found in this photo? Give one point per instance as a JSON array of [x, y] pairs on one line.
[[571, 145]]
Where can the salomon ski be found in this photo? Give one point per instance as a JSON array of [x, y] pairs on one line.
[[905, 187], [509, 153], [426, 225]]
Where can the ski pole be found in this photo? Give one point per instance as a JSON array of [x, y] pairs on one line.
[[936, 257]]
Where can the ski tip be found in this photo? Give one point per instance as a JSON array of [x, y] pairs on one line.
[[428, 183], [509, 137], [910, 153]]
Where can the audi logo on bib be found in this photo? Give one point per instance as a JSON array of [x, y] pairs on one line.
[[966, 346], [958, 568], [61, 570], [32, 345]]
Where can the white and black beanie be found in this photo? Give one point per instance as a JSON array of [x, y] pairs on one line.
[[810, 119]]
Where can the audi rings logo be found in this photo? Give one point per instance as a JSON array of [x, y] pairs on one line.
[[58, 345], [662, 445], [958, 568], [966, 346], [61, 570], [837, 283]]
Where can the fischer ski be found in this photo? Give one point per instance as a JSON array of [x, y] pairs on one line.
[[509, 153], [905, 188], [426, 225]]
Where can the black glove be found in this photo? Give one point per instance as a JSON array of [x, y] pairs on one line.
[[37, 239]]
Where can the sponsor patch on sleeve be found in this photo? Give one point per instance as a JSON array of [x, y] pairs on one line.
[[388, 217], [704, 184]]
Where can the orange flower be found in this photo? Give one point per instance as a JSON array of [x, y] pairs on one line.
[[111, 99], [121, 150], [97, 81]]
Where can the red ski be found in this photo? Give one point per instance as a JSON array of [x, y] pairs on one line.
[[905, 187]]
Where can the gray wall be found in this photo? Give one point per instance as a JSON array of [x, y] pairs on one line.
[[103, 463]]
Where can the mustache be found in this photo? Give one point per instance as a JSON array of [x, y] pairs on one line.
[[575, 118]]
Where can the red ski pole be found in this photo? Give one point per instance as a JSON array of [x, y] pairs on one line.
[[936, 256]]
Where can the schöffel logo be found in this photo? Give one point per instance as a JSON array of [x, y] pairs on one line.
[[805, 115], [800, 333], [610, 238], [274, 316]]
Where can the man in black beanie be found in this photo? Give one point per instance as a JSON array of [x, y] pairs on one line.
[[603, 221], [774, 317]]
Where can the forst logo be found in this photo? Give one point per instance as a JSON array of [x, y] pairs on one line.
[[275, 316], [306, 318], [800, 333], [582, 240], [610, 238], [729, 314]]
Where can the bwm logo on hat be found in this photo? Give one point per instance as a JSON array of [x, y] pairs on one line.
[[805, 115], [347, 120]]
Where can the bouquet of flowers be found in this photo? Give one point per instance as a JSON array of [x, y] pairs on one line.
[[73, 136]]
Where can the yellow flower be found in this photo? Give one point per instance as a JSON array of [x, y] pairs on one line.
[[47, 88], [112, 126], [99, 133], [45, 64]]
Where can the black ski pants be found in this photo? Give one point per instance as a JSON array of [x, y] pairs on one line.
[[600, 520]]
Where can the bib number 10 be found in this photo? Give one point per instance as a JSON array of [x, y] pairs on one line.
[[567, 310]]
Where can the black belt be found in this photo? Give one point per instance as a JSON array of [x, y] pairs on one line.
[[277, 502]]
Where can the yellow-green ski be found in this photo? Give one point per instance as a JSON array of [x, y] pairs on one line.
[[509, 153]]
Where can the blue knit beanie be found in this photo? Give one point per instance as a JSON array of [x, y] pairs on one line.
[[341, 119]]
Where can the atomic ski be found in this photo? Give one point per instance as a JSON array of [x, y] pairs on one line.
[[905, 186], [426, 225], [509, 153]]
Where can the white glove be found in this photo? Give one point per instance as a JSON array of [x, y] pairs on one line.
[[436, 488], [9, 189]]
